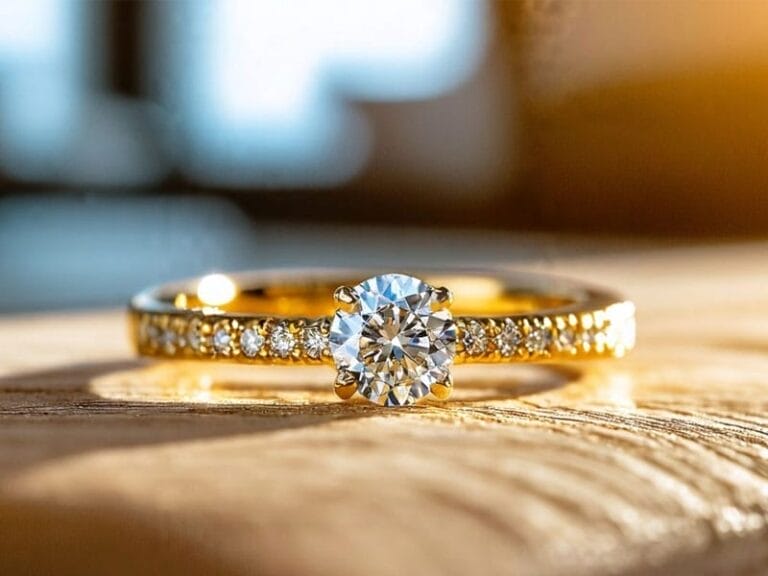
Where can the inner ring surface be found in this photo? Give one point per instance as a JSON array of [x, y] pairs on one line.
[[311, 295]]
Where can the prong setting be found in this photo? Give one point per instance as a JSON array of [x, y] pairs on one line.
[[345, 385], [345, 297], [442, 390], [442, 297], [394, 336]]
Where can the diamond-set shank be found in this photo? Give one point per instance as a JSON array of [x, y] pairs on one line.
[[533, 338], [272, 340], [247, 339], [393, 338]]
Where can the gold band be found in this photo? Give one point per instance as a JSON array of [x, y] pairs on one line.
[[284, 318]]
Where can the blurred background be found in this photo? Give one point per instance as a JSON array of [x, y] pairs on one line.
[[145, 141]]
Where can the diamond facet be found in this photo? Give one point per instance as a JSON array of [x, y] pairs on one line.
[[566, 339], [393, 341], [592, 339], [221, 340], [251, 342], [475, 338], [281, 341], [539, 340], [509, 338], [314, 342], [194, 339], [167, 340], [150, 334]]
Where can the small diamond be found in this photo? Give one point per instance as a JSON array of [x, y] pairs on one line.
[[612, 335], [222, 340], [251, 342], [509, 338], [475, 338], [566, 339], [167, 340], [592, 338], [619, 335], [193, 334], [539, 340], [150, 334], [281, 341], [314, 342]]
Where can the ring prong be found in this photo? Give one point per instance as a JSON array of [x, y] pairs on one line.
[[442, 390], [345, 386], [345, 297], [443, 297]]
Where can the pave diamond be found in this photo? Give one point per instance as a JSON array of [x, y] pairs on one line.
[[251, 342], [314, 342], [592, 338], [150, 334], [221, 340], [394, 342], [193, 335], [281, 341], [475, 338], [539, 340], [167, 340], [509, 338], [566, 339]]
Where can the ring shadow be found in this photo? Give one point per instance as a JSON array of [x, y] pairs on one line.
[[88, 407], [143, 396]]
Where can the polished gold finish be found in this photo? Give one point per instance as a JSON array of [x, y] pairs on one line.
[[345, 297], [519, 318], [345, 386], [442, 390], [443, 297]]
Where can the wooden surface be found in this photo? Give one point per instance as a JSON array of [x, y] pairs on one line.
[[654, 464]]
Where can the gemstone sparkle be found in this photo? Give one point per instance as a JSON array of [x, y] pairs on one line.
[[314, 342], [282, 341], [539, 340], [395, 342], [509, 338], [251, 342], [475, 338], [221, 340]]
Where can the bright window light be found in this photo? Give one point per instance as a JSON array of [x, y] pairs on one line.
[[260, 85]]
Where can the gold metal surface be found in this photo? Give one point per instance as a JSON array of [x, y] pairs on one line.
[[575, 321], [651, 466]]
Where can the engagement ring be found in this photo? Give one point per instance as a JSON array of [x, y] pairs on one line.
[[392, 337]]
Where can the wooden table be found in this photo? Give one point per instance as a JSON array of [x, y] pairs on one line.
[[657, 463]]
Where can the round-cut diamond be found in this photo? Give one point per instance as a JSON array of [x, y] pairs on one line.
[[475, 338], [221, 340], [395, 342], [281, 341], [150, 334], [509, 338], [251, 342], [539, 340], [566, 339], [314, 342], [592, 338], [167, 340], [194, 339]]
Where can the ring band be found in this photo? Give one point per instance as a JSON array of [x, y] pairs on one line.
[[392, 337]]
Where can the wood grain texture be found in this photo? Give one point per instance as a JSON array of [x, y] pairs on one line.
[[654, 464]]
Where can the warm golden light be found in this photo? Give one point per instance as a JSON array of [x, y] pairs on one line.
[[216, 290], [180, 301], [621, 327], [469, 288]]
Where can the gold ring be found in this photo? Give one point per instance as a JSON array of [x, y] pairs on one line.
[[393, 337]]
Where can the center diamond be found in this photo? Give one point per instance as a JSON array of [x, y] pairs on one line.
[[395, 341]]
